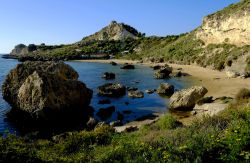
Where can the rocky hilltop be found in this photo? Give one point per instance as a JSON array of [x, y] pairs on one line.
[[114, 31], [230, 25]]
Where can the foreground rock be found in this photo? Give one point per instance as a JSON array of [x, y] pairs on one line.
[[112, 90], [165, 89], [108, 75], [135, 94], [163, 72], [45, 90], [187, 98]]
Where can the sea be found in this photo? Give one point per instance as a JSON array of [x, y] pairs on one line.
[[142, 77]]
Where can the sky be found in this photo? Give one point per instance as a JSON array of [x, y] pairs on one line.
[[68, 21]]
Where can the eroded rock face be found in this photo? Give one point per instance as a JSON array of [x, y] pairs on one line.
[[230, 25], [45, 89], [112, 90], [187, 98]]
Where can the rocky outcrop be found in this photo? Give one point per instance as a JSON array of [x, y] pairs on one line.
[[187, 98], [22, 49], [112, 90], [114, 31], [165, 89], [230, 25], [44, 90]]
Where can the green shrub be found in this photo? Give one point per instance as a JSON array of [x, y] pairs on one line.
[[243, 94]]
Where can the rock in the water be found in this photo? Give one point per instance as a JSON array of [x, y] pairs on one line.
[[157, 67], [128, 66], [163, 72], [132, 89], [113, 63], [105, 113], [112, 90], [150, 91], [108, 75], [120, 116], [187, 98], [165, 89], [45, 89], [135, 94], [105, 101]]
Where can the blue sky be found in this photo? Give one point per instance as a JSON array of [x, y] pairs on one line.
[[68, 21]]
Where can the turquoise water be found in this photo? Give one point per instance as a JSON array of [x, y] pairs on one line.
[[90, 74]]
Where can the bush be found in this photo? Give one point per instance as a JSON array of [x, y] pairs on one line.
[[167, 122], [243, 94]]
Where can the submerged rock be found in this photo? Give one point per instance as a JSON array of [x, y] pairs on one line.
[[105, 113], [165, 89], [150, 91], [108, 75], [105, 101], [187, 98], [45, 90], [113, 63], [112, 90]]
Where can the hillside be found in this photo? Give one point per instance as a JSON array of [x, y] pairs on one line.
[[114, 31]]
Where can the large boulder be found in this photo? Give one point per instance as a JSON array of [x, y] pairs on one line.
[[165, 89], [112, 90], [187, 98], [44, 90]]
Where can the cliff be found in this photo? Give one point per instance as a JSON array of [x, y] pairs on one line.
[[230, 25]]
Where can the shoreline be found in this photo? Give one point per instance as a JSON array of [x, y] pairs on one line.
[[217, 83]]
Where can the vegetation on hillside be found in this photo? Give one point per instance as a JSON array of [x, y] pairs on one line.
[[224, 137]]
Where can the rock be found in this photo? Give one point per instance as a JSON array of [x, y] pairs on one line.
[[193, 112], [131, 129], [91, 123], [232, 74], [128, 66], [205, 100], [105, 101], [126, 103], [115, 123], [108, 75], [112, 90], [113, 63], [135, 94], [105, 113], [132, 89], [163, 73], [165, 89], [177, 74], [150, 91], [44, 90], [120, 116], [187, 98]]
